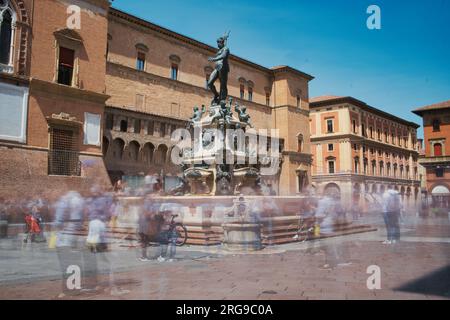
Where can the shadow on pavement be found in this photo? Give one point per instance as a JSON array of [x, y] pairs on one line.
[[436, 283]]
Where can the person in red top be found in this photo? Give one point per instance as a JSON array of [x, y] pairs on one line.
[[32, 226]]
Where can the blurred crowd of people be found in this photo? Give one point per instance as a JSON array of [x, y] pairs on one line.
[[97, 212]]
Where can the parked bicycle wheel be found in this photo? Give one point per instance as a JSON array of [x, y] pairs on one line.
[[303, 233], [181, 233]]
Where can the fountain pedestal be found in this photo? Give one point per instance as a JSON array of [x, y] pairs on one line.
[[242, 236]]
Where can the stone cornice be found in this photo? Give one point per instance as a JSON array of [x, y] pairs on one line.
[[362, 179], [287, 69], [121, 16], [364, 106], [293, 109], [37, 85], [122, 111], [42, 149], [367, 142], [15, 78]]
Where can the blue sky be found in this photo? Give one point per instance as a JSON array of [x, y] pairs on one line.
[[404, 65]]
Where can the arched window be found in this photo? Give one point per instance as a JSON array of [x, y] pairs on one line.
[[175, 62], [300, 143], [7, 22], [117, 147], [437, 148], [356, 165], [123, 126], [133, 149]]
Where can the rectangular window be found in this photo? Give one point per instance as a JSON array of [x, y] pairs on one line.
[[63, 158], [13, 112], [354, 127], [66, 66], [242, 91], [302, 179], [331, 167], [140, 102], [140, 62], [440, 172], [150, 128], [330, 128], [137, 126], [92, 129], [436, 125], [363, 128], [207, 80], [109, 121], [371, 132], [299, 102], [174, 72], [437, 150], [267, 99], [250, 94], [162, 130], [330, 147]]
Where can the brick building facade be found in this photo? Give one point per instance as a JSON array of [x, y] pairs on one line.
[[436, 124], [52, 96], [359, 150], [56, 85]]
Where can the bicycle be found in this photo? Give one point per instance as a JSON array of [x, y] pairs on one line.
[[176, 231], [179, 230], [305, 230]]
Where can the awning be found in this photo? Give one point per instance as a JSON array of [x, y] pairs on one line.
[[440, 191]]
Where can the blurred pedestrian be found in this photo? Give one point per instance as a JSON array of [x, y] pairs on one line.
[[392, 207], [331, 212], [144, 229], [69, 220]]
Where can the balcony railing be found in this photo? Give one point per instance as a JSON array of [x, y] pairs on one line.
[[432, 160]]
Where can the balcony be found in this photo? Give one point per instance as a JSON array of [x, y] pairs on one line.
[[434, 160]]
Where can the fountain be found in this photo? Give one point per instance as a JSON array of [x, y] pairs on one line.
[[222, 197]]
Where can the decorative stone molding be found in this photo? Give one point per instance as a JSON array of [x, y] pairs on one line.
[[174, 58], [64, 119], [67, 34], [141, 47], [242, 80]]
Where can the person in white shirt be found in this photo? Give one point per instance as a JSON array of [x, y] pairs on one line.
[[392, 207]]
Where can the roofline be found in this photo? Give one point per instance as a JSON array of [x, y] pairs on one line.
[[363, 105], [145, 23], [421, 111], [290, 69], [418, 112]]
